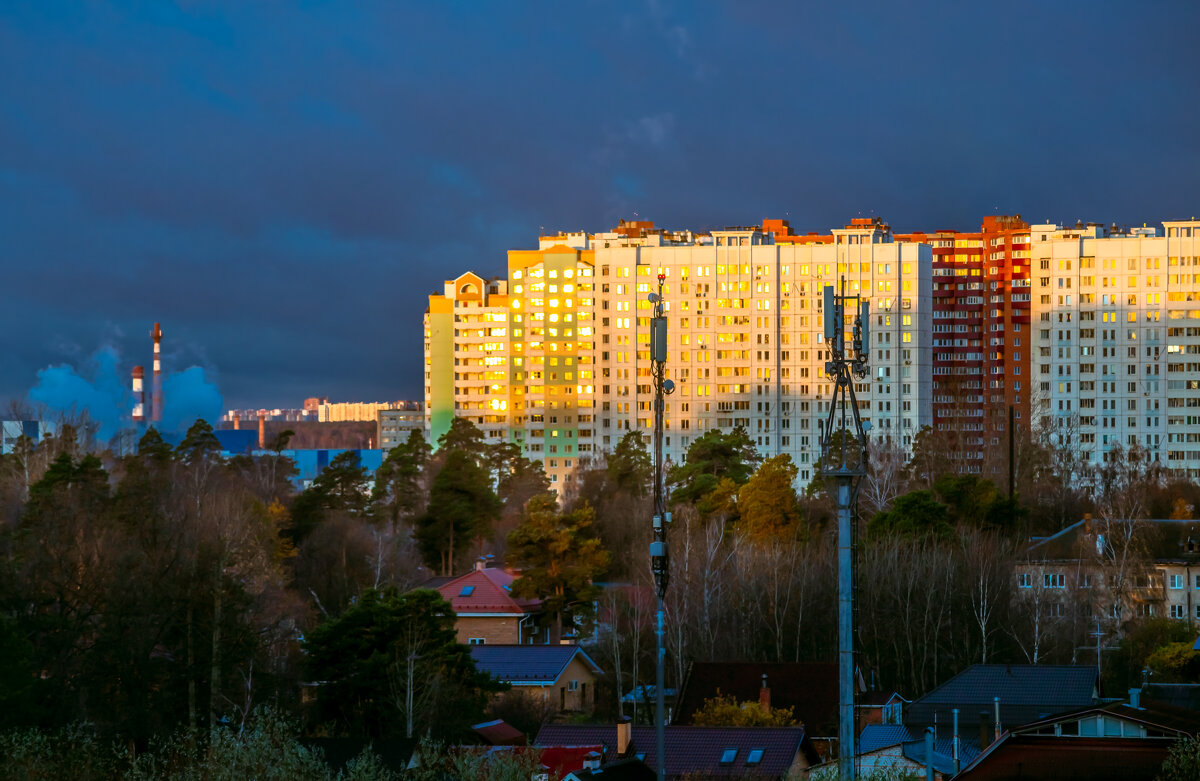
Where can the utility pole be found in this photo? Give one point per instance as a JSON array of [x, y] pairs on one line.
[[659, 562], [843, 465]]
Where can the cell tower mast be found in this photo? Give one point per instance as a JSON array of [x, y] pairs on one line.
[[659, 562], [843, 466]]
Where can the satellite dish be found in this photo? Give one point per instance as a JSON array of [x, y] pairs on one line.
[[668, 386], [866, 425], [653, 298]]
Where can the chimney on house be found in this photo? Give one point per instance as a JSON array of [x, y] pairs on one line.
[[480, 564], [764, 695], [1135, 698], [624, 736], [985, 739], [262, 430], [996, 704]]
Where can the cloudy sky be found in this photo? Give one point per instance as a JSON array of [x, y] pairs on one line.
[[282, 184]]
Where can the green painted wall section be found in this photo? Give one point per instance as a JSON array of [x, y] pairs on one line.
[[441, 374]]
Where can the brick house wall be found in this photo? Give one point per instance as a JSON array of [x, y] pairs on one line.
[[491, 630]]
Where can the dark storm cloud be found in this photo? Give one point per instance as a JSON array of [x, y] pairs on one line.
[[281, 187]]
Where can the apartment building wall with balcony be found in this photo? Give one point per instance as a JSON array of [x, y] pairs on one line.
[[555, 358], [466, 356], [1116, 318], [980, 337]]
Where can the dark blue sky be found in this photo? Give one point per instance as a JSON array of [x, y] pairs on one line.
[[283, 187]]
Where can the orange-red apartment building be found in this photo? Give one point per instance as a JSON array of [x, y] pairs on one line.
[[981, 338]]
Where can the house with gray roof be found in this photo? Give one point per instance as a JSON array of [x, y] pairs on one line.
[[1023, 693], [562, 676]]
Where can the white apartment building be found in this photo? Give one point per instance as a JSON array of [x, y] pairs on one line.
[[745, 338], [556, 357], [1116, 323]]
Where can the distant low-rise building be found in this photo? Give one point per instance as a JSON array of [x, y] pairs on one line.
[[11, 432], [394, 426], [1112, 571]]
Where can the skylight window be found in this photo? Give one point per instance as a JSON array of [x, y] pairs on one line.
[[728, 755], [754, 757], [467, 591]]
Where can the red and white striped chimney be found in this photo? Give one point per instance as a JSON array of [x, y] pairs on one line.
[[156, 401], [139, 394]]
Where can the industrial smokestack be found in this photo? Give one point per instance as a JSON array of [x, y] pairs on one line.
[[156, 401], [262, 430], [139, 394]]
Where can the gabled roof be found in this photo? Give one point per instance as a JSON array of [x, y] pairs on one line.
[[486, 590], [1156, 716], [1037, 757], [1027, 692], [695, 750], [528, 665], [499, 733], [1163, 539], [810, 689], [876, 737], [943, 753]]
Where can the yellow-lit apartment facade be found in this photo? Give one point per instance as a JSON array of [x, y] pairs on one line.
[[555, 357]]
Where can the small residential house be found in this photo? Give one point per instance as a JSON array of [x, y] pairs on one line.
[[1122, 740], [486, 610], [810, 689], [563, 676], [694, 753]]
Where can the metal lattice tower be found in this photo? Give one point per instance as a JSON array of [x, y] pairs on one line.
[[843, 466]]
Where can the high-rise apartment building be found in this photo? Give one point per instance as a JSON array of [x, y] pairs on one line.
[[555, 357], [980, 338], [1116, 326]]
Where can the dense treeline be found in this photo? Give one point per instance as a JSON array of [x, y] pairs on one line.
[[172, 589]]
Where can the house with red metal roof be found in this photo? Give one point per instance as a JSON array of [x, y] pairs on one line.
[[488, 612]]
